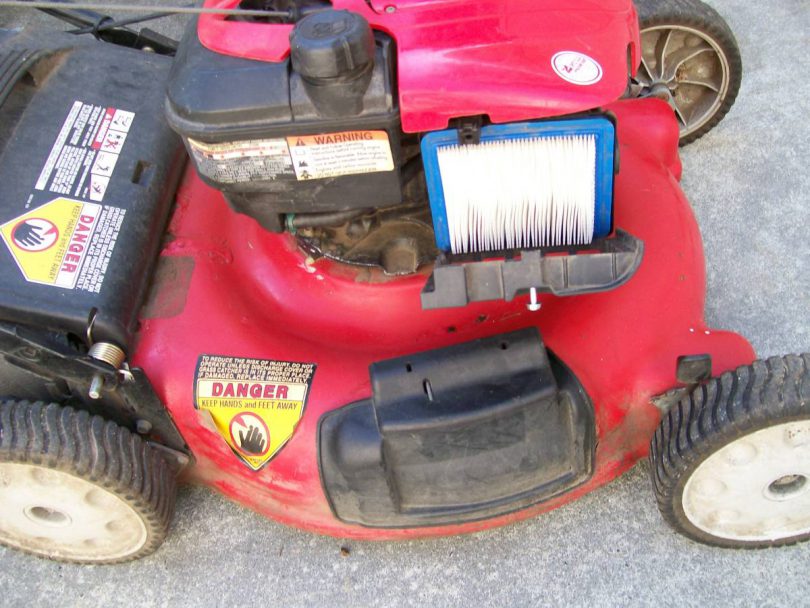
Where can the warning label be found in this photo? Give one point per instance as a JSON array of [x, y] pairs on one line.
[[255, 404], [243, 161], [82, 158], [335, 154], [65, 243], [294, 158]]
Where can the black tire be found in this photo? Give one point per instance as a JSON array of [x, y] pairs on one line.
[[68, 452], [695, 15], [731, 412]]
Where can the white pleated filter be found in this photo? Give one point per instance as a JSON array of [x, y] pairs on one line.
[[519, 193]]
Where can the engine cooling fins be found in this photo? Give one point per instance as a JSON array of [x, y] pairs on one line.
[[601, 265]]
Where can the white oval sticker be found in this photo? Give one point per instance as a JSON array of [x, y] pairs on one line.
[[576, 68]]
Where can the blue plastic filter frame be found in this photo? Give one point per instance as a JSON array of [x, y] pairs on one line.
[[601, 128]]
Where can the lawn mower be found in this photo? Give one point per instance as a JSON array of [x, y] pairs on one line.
[[378, 269]]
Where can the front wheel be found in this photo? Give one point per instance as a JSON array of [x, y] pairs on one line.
[[730, 463], [77, 488], [691, 60]]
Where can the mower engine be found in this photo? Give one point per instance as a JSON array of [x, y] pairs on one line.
[[314, 144]]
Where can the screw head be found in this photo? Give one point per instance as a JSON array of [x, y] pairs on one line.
[[390, 9]]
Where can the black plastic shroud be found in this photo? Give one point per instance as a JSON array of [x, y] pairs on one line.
[[458, 434], [58, 96]]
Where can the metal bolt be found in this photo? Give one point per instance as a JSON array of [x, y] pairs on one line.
[[390, 9], [28, 353], [143, 427], [661, 91], [96, 384], [533, 304]]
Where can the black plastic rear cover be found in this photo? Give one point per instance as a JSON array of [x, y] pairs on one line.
[[458, 434], [87, 172]]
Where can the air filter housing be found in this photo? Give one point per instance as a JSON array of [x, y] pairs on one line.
[[523, 186]]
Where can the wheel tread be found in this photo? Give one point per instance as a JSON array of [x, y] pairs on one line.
[[100, 451], [738, 402]]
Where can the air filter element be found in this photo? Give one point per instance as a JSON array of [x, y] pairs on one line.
[[524, 186]]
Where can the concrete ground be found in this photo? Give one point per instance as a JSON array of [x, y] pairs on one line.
[[749, 183]]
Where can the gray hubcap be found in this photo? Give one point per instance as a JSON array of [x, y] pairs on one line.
[[685, 68]]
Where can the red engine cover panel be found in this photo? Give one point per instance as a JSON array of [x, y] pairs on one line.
[[254, 294], [469, 57]]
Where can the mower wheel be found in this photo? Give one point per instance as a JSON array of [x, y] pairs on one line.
[[77, 488], [730, 463], [691, 60]]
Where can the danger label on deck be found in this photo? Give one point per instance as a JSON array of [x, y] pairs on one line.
[[255, 404], [65, 243], [336, 154]]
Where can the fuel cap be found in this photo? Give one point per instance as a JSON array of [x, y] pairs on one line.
[[331, 44]]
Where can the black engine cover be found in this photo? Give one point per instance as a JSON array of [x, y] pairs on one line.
[[277, 142]]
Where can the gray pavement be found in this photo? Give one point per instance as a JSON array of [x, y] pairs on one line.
[[748, 181]]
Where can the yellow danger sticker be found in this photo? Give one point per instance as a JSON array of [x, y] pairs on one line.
[[50, 243], [255, 404], [336, 154]]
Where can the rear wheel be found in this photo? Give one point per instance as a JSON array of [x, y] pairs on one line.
[[690, 59], [730, 464], [77, 488]]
